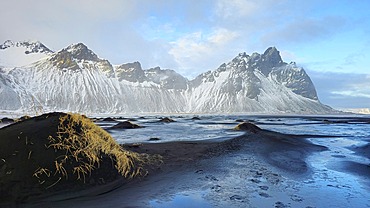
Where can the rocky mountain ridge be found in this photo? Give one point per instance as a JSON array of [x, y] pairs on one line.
[[76, 79]]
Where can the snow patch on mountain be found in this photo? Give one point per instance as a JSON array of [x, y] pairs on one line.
[[13, 54]]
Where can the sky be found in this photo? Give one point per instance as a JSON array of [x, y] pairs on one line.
[[328, 38]]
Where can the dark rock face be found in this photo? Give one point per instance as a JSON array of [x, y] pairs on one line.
[[64, 60], [296, 79], [270, 59], [131, 72]]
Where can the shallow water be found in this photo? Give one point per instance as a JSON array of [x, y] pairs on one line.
[[329, 185], [220, 127], [184, 129]]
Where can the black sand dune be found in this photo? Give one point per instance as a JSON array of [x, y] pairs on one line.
[[59, 153], [284, 151]]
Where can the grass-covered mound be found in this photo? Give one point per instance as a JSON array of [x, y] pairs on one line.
[[60, 152], [249, 127]]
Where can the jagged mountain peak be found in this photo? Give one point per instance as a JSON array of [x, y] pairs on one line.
[[30, 46], [272, 55], [243, 55], [241, 58], [263, 62], [77, 47], [158, 69], [271, 50], [164, 78], [130, 66], [245, 70], [79, 57], [7, 44], [82, 52], [167, 78], [269, 59], [131, 72]]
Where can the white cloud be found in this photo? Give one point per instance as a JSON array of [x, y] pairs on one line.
[[357, 89], [352, 93], [197, 49], [222, 36]]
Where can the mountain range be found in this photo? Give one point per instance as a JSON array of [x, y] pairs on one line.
[[35, 78]]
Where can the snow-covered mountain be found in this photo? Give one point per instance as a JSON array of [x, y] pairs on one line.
[[76, 79], [256, 83]]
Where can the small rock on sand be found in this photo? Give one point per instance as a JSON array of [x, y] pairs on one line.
[[109, 119], [126, 125], [166, 120]]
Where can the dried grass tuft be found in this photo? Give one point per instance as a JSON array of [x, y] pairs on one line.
[[83, 145]]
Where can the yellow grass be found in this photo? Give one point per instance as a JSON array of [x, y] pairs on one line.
[[83, 144]]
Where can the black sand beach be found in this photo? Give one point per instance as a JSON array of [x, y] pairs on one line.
[[261, 159]]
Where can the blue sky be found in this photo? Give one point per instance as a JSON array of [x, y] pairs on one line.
[[329, 38]]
